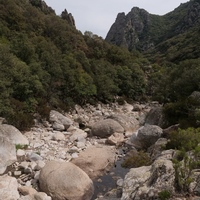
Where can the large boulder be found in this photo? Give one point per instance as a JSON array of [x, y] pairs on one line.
[[95, 160], [59, 121], [146, 136], [64, 180], [146, 182], [7, 153], [13, 134], [155, 117], [128, 122], [105, 128], [8, 188]]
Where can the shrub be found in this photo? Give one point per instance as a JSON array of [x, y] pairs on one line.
[[137, 159], [164, 195], [19, 146], [184, 139], [187, 157]]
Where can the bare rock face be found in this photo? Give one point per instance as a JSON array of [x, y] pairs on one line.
[[64, 180], [8, 188], [95, 160], [106, 127], [128, 30], [68, 16], [147, 181]]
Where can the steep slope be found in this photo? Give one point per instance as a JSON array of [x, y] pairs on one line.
[[143, 31], [45, 62]]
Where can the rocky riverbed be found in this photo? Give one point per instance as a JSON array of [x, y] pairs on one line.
[[77, 156]]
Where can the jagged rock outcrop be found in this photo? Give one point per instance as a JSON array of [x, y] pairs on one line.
[[143, 31], [129, 30], [68, 16]]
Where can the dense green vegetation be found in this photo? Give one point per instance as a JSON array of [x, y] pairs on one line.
[[174, 73], [186, 142], [46, 63]]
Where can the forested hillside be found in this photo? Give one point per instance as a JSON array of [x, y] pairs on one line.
[[46, 63], [171, 44]]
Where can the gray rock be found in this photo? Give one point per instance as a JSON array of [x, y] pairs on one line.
[[77, 135], [120, 182], [116, 139], [106, 127], [39, 165], [134, 181], [127, 31], [59, 121], [33, 156], [8, 188], [155, 117], [64, 180], [58, 127], [20, 153], [58, 136], [156, 149], [31, 194], [13, 134], [7, 153], [194, 186], [146, 136], [128, 122], [147, 181], [80, 145]]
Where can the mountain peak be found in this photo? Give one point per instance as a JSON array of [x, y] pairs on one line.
[[128, 30], [141, 30]]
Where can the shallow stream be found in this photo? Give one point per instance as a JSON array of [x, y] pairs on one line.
[[108, 181]]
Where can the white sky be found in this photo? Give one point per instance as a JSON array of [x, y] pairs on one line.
[[98, 16]]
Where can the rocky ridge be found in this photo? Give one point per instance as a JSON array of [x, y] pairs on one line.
[[143, 31]]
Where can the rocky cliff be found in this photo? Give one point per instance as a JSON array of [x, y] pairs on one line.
[[142, 31], [130, 30], [68, 16]]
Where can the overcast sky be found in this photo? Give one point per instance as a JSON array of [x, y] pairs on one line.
[[98, 16]]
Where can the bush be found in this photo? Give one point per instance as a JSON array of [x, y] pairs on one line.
[[164, 195], [187, 157], [186, 140], [137, 159]]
